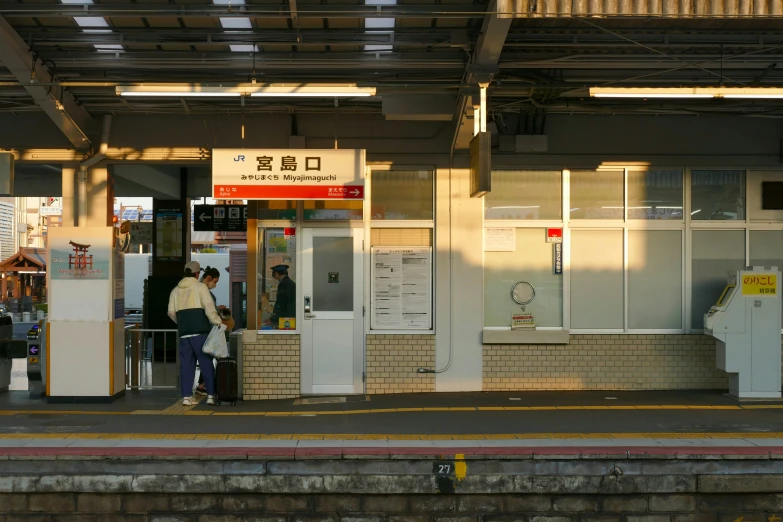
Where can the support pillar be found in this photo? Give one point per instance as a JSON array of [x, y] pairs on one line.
[[170, 251], [85, 342]]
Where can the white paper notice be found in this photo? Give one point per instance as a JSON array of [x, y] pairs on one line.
[[402, 288], [500, 239]]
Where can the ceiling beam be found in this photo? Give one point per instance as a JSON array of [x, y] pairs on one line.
[[157, 10], [57, 103], [486, 56]]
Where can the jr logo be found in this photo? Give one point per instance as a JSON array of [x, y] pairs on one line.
[[239, 158]]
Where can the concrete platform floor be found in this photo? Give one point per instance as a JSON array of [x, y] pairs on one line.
[[570, 422]]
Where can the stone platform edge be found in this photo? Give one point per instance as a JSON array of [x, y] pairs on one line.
[[456, 452]]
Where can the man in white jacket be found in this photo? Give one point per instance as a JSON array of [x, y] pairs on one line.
[[192, 308]]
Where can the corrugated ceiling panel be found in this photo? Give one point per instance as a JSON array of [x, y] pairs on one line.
[[654, 8]]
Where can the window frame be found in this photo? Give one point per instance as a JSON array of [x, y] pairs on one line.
[[369, 224], [686, 227]]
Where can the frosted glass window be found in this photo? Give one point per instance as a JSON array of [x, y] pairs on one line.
[[755, 212], [717, 254], [597, 279], [717, 195], [332, 210], [398, 194], [332, 274], [533, 262], [597, 194], [766, 248], [524, 194], [655, 195], [655, 279], [276, 209]]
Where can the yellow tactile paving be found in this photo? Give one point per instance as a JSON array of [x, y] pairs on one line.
[[389, 437], [179, 409]]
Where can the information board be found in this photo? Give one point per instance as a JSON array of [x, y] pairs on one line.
[[310, 174], [401, 288]]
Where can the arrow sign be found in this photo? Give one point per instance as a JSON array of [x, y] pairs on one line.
[[220, 218], [309, 192]]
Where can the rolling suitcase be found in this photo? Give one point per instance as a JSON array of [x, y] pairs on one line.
[[226, 381]]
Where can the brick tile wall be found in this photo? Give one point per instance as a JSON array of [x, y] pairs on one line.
[[271, 367], [610, 362], [392, 361]]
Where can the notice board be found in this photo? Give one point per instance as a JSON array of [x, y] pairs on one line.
[[401, 288]]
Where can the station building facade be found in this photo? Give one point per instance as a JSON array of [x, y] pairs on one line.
[[655, 212], [649, 240]]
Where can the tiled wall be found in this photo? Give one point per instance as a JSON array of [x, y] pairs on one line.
[[392, 361], [270, 366], [606, 362]]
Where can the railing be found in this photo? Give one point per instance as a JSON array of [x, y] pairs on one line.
[[151, 358]]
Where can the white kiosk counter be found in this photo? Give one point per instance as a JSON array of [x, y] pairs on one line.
[[746, 321]]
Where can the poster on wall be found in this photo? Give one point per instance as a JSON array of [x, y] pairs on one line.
[[168, 224], [401, 288], [80, 254], [500, 239]]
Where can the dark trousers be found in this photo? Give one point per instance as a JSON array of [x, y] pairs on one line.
[[189, 353], [201, 375]]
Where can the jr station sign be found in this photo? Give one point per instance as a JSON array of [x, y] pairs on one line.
[[312, 174]]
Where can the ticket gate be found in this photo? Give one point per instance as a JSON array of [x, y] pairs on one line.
[[36, 362], [746, 321], [9, 350]]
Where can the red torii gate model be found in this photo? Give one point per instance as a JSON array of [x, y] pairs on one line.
[[79, 260]]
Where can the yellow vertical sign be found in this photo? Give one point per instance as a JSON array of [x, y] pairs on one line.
[[759, 284]]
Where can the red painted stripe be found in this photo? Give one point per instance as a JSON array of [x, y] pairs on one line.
[[288, 192]]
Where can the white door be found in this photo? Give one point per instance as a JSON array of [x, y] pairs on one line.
[[331, 311]]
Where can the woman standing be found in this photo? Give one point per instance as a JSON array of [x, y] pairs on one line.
[[211, 278]]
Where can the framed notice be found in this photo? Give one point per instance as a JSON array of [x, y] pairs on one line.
[[401, 288], [500, 239]]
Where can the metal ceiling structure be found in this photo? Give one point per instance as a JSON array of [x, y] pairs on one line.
[[66, 58]]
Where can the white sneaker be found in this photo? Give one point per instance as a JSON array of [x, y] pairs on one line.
[[210, 400], [188, 401]]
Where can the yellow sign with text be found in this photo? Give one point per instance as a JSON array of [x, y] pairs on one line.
[[760, 284]]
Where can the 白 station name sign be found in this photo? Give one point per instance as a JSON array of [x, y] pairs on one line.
[[288, 174]]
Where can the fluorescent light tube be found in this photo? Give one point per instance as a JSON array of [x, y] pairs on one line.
[[275, 94], [312, 91], [283, 91], [687, 92]]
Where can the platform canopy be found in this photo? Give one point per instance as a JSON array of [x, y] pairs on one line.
[[424, 58]]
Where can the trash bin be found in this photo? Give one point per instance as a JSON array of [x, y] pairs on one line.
[[25, 317], [40, 315]]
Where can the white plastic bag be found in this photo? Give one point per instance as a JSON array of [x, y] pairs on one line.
[[215, 344]]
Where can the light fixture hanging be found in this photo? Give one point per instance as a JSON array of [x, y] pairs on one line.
[[687, 92], [253, 90]]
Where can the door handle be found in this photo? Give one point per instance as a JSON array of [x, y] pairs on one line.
[[308, 307]]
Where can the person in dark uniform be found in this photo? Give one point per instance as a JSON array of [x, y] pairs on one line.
[[285, 305]]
